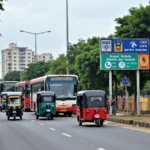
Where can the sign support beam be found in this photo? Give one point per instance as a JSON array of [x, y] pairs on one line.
[[138, 92], [110, 90]]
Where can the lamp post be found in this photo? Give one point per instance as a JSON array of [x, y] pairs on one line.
[[67, 33], [35, 36]]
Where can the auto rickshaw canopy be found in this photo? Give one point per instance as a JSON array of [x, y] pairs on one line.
[[46, 96], [92, 98]]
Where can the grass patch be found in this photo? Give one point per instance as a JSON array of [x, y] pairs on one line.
[[135, 118]]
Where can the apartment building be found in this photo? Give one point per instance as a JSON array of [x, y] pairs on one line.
[[44, 57], [15, 58]]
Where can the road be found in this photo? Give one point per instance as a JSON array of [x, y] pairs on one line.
[[63, 133]]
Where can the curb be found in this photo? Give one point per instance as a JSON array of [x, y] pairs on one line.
[[130, 122]]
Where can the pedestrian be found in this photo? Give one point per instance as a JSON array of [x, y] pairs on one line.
[[113, 104], [123, 104], [108, 104]]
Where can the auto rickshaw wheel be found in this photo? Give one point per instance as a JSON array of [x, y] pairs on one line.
[[101, 122], [37, 117], [69, 114], [14, 117], [97, 122], [51, 117], [8, 117], [80, 122], [20, 117]]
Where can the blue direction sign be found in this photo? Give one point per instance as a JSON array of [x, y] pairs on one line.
[[125, 81], [124, 45]]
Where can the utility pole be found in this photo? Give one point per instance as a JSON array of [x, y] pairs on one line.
[[67, 33]]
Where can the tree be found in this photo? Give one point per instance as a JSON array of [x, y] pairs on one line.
[[36, 69], [12, 76], [1, 5], [87, 65], [58, 66], [134, 25]]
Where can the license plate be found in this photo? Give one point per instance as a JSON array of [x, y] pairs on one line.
[[63, 110], [14, 111]]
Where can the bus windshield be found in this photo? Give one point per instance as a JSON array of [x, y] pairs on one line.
[[8, 87], [63, 89]]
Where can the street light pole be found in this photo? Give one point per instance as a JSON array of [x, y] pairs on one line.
[[35, 49], [67, 33], [35, 36]]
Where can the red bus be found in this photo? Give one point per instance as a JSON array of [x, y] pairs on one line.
[[24, 87]]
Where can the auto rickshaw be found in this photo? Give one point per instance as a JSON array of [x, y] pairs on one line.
[[3, 101], [14, 105], [91, 107], [46, 104]]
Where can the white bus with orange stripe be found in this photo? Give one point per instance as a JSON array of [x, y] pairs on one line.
[[65, 87]]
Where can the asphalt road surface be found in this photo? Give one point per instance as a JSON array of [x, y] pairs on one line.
[[63, 133]]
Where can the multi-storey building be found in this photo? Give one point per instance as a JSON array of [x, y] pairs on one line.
[[45, 57], [16, 58]]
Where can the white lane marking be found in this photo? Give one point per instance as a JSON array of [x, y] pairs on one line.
[[32, 120], [83, 141], [67, 135], [41, 124], [100, 149], [52, 129]]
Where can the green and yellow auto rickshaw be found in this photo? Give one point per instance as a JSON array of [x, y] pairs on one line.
[[14, 105], [46, 104], [3, 101]]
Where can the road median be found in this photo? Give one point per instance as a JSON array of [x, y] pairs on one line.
[[142, 121]]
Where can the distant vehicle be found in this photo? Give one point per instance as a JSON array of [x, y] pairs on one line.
[[6, 86], [24, 87], [14, 105], [91, 107], [46, 104], [65, 87]]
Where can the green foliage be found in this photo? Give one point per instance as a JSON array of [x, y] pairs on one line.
[[1, 5], [84, 61], [134, 25], [12, 76], [58, 66], [36, 69]]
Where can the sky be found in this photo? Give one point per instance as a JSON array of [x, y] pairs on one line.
[[87, 18]]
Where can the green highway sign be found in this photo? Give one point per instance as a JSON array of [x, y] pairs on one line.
[[119, 61]]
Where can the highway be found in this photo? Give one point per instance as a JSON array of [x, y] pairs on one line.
[[63, 133]]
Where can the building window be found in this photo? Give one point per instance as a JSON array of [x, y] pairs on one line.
[[29, 61], [29, 54], [14, 53], [14, 60], [29, 57], [15, 68], [14, 56], [9, 57]]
